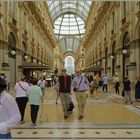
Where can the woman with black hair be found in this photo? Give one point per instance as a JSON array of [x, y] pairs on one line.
[[21, 88], [9, 112]]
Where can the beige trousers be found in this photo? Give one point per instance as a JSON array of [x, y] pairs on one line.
[[81, 101], [65, 99]]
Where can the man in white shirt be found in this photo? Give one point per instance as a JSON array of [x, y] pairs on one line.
[[9, 112], [105, 83]]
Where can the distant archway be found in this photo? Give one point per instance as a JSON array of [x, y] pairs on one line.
[[69, 64]]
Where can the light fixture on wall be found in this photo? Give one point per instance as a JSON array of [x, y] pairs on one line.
[[13, 52], [112, 57], [124, 51], [103, 60], [26, 57], [98, 62], [34, 60]]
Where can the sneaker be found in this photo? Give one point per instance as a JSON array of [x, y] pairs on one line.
[[80, 117], [131, 102], [125, 102]]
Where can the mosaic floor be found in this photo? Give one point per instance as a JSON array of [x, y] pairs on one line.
[[106, 117]]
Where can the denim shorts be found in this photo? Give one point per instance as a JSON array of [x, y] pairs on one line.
[[5, 136]]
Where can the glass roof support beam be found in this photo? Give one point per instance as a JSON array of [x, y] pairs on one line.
[[77, 26]]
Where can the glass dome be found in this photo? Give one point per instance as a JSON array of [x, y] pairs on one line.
[[69, 19], [69, 24]]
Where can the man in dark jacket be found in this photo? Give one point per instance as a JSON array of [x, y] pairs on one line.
[[65, 90]]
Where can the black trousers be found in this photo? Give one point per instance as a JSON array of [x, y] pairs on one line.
[[34, 112], [105, 87], [117, 89], [22, 102]]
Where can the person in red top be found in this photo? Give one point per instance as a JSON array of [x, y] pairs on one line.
[[65, 90]]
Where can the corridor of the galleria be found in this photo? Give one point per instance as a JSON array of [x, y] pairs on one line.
[[101, 39]]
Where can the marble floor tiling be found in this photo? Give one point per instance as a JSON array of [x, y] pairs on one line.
[[104, 118], [75, 133]]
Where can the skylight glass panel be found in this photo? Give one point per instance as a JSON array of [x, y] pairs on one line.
[[69, 20]]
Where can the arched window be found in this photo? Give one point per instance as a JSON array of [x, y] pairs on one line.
[[113, 58], [126, 43], [11, 44], [24, 47], [11, 40], [106, 62]]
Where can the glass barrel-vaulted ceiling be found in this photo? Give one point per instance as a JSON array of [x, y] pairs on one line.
[[69, 20]]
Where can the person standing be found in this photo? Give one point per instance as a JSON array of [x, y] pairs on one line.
[[105, 83], [117, 84], [81, 85], [21, 88], [137, 90], [42, 84], [127, 90], [65, 90], [34, 94], [9, 112]]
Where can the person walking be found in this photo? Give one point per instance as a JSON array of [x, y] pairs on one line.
[[21, 88], [97, 80], [105, 83], [2, 75], [137, 90], [57, 89], [65, 90], [127, 90], [81, 85], [34, 95], [9, 112], [42, 84]]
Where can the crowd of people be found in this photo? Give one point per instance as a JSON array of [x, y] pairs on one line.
[[32, 91]]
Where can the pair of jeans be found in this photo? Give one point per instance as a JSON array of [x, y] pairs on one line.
[[34, 112], [22, 102], [65, 99], [105, 87], [5, 136]]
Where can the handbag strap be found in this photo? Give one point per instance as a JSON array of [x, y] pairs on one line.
[[80, 81], [22, 87], [40, 83]]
